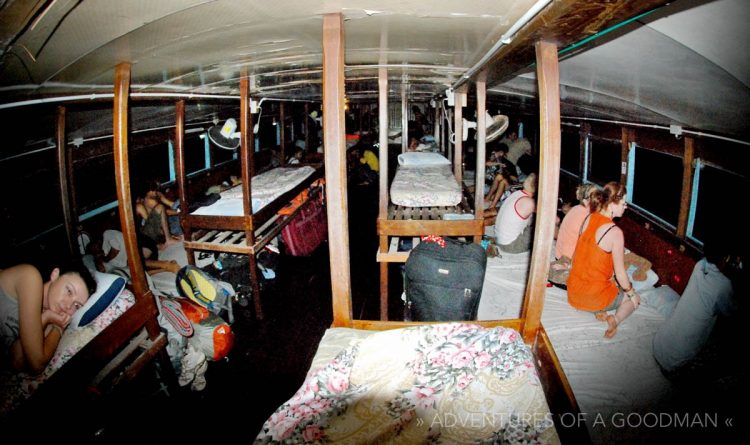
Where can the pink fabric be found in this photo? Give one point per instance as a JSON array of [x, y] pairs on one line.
[[567, 236]]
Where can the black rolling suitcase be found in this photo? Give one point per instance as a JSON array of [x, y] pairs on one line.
[[444, 280]]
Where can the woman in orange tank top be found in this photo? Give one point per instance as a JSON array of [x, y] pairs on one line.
[[599, 252]]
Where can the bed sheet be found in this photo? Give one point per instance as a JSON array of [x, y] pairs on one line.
[[611, 378], [444, 383], [425, 186], [17, 387], [266, 187]]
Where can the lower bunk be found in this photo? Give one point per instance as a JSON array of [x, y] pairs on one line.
[[619, 388], [438, 383]]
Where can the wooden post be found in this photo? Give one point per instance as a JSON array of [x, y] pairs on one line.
[[404, 118], [64, 174], [124, 199], [383, 176], [481, 86], [460, 102], [436, 126], [180, 174], [335, 164], [282, 138], [548, 75], [687, 186], [246, 161]]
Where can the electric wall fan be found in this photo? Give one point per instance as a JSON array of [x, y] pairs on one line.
[[225, 137], [496, 126]]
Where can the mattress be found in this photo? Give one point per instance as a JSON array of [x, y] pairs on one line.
[[266, 187], [611, 378], [425, 186], [443, 383]]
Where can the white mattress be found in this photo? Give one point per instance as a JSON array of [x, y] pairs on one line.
[[610, 378], [266, 187], [425, 186]]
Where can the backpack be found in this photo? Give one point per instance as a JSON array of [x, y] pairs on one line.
[[212, 336], [203, 289]]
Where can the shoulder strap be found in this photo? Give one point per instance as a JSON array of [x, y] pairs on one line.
[[605, 234], [580, 231]]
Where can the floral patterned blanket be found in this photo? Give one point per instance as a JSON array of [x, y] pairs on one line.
[[444, 383]]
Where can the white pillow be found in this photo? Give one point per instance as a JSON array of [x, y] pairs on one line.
[[108, 287], [421, 159]]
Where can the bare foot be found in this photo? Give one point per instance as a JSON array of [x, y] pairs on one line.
[[612, 329], [601, 316]]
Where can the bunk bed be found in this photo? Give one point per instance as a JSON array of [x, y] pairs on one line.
[[425, 199], [119, 344], [238, 224], [388, 381]]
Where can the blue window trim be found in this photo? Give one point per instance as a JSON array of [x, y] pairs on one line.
[[630, 178], [172, 174], [585, 171], [694, 199]]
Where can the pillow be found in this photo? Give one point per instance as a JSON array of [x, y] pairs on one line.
[[648, 283], [421, 159], [108, 287]]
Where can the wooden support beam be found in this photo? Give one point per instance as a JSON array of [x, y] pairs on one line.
[[180, 172], [383, 140], [122, 179], [334, 135], [548, 75], [563, 22], [64, 178], [404, 118], [282, 135], [458, 126], [687, 186], [481, 86]]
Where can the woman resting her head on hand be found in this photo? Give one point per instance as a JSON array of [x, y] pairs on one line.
[[34, 312]]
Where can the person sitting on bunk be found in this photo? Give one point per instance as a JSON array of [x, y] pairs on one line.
[[296, 158], [599, 252], [110, 256], [34, 313], [153, 213], [684, 345], [570, 227], [517, 147], [514, 230]]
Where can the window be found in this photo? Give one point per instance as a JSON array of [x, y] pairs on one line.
[[605, 159], [713, 184], [220, 155], [570, 153], [657, 184], [195, 155]]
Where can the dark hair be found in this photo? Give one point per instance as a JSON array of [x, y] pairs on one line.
[[78, 268], [612, 193]]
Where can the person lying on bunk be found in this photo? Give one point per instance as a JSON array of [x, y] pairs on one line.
[[110, 256], [599, 252], [570, 227], [153, 214], [684, 346], [34, 313], [514, 230]]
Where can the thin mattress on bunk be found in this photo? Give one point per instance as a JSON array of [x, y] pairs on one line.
[[610, 378], [425, 186], [266, 187], [419, 384]]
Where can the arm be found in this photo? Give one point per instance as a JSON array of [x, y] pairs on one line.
[[615, 240], [36, 347], [526, 206]]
